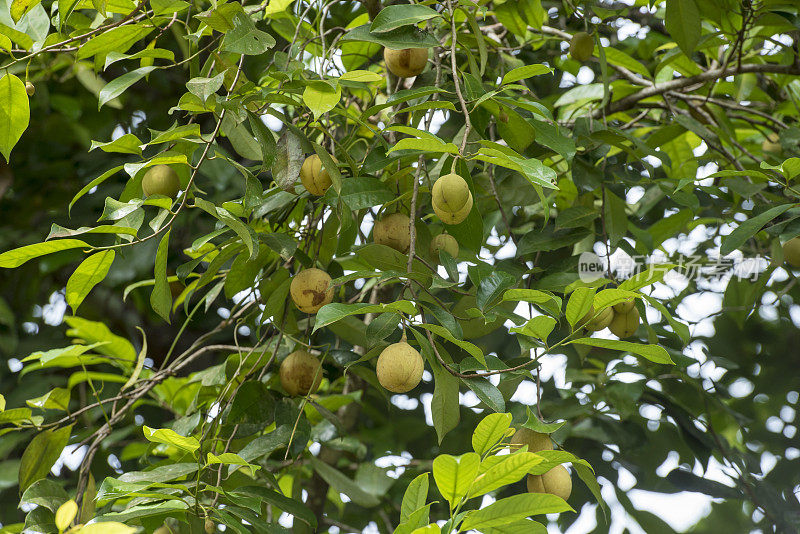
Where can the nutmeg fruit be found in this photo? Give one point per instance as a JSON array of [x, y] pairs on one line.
[[310, 290], [594, 322], [450, 192], [393, 231], [581, 46], [791, 252], [536, 441], [406, 63], [444, 242], [555, 482], [161, 180], [399, 367], [300, 373], [314, 177], [451, 218], [624, 325]]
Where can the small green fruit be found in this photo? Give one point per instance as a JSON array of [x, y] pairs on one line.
[[444, 242], [581, 46], [30, 89], [300, 373], [772, 144], [399, 367], [161, 180], [624, 325], [625, 307], [406, 63], [595, 323], [791, 252]]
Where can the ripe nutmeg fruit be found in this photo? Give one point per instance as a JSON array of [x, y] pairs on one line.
[[399, 367], [406, 63], [555, 482], [451, 218], [393, 231], [310, 290], [581, 46], [536, 441], [161, 180], [444, 242], [314, 177], [450, 192], [300, 373]]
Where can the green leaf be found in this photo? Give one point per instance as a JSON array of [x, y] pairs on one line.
[[525, 71], [45, 493], [454, 475], [645, 278], [365, 192], [654, 353], [472, 349], [170, 437], [513, 509], [539, 327], [18, 256], [245, 38], [117, 86], [89, 273], [489, 431], [290, 506], [397, 39], [616, 220], [749, 228], [203, 88], [391, 17], [56, 399], [492, 287], [118, 39], [14, 113], [682, 21], [335, 311], [433, 146], [363, 76], [445, 408], [508, 470], [161, 297], [414, 497], [40, 455], [20, 7], [579, 304], [341, 483]]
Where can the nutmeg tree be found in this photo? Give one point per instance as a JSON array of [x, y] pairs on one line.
[[332, 266]]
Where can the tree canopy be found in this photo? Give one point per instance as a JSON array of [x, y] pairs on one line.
[[391, 266]]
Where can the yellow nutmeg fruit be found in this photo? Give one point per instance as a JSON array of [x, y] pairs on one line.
[[450, 192], [406, 63], [791, 252], [625, 307], [444, 242], [536, 441], [314, 177], [300, 373], [310, 290], [399, 367], [393, 231], [458, 217], [772, 144], [624, 325], [594, 322], [555, 482], [161, 180], [581, 46]]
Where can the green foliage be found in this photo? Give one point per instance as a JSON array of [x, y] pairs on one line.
[[682, 136]]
